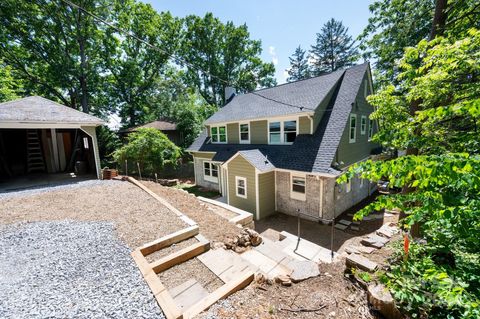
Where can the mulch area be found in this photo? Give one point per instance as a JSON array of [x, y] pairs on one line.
[[137, 216], [212, 226]]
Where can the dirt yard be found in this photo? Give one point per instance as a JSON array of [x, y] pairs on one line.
[[137, 216]]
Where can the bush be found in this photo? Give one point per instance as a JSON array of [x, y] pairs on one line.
[[150, 148]]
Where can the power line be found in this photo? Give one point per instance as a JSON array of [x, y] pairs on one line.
[[177, 59]]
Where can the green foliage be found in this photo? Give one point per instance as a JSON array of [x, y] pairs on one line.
[[334, 48], [397, 24], [299, 68], [150, 148], [224, 51], [441, 277], [10, 87], [108, 142]]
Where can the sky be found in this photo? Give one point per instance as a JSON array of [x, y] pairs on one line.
[[280, 25]]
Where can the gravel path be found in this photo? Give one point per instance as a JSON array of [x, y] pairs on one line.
[[70, 269], [137, 216]]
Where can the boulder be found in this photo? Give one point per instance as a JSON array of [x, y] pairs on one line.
[[256, 240]]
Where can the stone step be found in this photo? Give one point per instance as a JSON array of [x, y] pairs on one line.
[[188, 294], [358, 261], [306, 250]]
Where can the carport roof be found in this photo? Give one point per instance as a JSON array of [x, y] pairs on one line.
[[39, 110]]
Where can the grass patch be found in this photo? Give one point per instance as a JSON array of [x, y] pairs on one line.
[[198, 190]]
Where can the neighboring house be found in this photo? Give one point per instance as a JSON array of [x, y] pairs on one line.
[[167, 128], [281, 149], [39, 136]]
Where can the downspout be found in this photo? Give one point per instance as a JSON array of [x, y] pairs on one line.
[[321, 198]]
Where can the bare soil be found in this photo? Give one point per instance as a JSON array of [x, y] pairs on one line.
[[212, 225], [137, 216]]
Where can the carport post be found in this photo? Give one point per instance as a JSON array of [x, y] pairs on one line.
[[90, 130], [55, 149]]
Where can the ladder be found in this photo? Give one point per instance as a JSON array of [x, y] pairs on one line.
[[35, 160]]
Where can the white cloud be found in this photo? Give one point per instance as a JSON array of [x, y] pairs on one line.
[[275, 60], [273, 53], [285, 75]]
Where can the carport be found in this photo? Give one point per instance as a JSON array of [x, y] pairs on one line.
[[44, 140]]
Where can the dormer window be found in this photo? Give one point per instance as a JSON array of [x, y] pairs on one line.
[[282, 132], [218, 134], [244, 133]]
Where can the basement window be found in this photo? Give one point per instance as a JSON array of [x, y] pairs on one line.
[[244, 133], [210, 171], [241, 186], [298, 187], [353, 128], [218, 134]]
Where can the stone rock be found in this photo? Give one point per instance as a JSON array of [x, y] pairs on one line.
[[283, 279], [287, 283], [256, 240], [219, 245], [303, 270], [240, 250], [241, 241], [358, 261], [382, 301]]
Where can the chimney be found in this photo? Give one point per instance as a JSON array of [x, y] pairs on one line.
[[230, 92]]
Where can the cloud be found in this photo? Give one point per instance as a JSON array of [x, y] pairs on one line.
[[273, 53]]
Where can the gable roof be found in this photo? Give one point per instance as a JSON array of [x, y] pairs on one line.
[[263, 103], [309, 153], [159, 125], [36, 109]]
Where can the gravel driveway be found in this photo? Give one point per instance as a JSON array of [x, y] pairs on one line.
[[70, 269]]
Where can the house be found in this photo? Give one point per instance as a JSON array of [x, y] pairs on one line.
[[41, 137], [281, 149], [166, 127]]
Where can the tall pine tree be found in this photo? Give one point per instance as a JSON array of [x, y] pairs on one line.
[[299, 68], [334, 48]]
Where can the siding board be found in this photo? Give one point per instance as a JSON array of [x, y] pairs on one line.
[[241, 167], [266, 193], [259, 133]]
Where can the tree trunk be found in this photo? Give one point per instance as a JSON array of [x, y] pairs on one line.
[[439, 19], [83, 64]]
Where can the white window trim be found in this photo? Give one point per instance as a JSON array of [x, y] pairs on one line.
[[240, 133], [363, 128], [218, 134], [282, 142], [348, 186], [297, 195], [237, 178], [350, 139], [210, 178], [370, 129]]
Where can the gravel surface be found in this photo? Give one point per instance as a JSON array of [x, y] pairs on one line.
[[137, 216], [70, 269], [212, 226]]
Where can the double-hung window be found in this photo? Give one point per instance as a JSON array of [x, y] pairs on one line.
[[370, 129], [244, 133], [282, 132], [218, 134], [298, 187], [363, 124], [353, 128], [210, 171], [241, 186]]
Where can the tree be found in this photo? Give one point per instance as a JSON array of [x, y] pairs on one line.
[[299, 68], [395, 25], [136, 69], [150, 148], [54, 48], [221, 55], [10, 87], [440, 278], [334, 48]]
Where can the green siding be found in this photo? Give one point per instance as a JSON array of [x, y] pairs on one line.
[[347, 152], [259, 132], [266, 193], [304, 125], [203, 155], [320, 111], [232, 133], [240, 167]]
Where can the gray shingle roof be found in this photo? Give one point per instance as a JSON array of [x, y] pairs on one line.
[[36, 109], [309, 153], [159, 125], [259, 104]]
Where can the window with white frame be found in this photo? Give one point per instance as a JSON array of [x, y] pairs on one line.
[[241, 186], [353, 128], [298, 187], [363, 125], [244, 132], [370, 129], [348, 186], [218, 134], [210, 171], [282, 132]]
